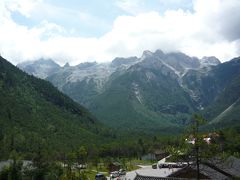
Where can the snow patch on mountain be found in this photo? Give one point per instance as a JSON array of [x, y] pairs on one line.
[[209, 61], [172, 68], [137, 92]]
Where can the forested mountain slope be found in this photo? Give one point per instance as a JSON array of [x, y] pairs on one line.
[[33, 111]]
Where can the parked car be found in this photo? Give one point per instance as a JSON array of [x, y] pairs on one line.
[[100, 176], [114, 174], [154, 166], [122, 172]]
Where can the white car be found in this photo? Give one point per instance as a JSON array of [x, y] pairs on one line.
[[114, 174]]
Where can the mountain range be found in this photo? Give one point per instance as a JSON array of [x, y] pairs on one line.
[[156, 92]]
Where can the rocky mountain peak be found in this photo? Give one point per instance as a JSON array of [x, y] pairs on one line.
[[146, 54], [124, 61], [159, 53], [209, 60], [66, 65], [40, 68], [86, 65]]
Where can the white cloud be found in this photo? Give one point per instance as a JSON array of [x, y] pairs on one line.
[[67, 16], [197, 33], [212, 29], [25, 7], [131, 6]]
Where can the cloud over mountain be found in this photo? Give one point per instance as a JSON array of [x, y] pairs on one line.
[[209, 28]]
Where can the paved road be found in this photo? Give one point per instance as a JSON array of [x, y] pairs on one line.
[[149, 171], [130, 175]]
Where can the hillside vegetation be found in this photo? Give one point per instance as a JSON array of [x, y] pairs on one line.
[[34, 112]]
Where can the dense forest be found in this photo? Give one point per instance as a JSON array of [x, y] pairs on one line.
[[33, 112]]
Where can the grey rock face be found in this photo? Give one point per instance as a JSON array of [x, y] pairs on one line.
[[209, 61], [41, 68]]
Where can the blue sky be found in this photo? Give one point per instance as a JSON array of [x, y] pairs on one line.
[[93, 17], [76, 31]]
